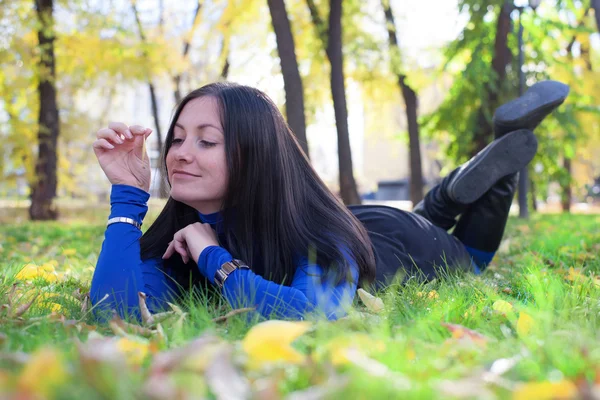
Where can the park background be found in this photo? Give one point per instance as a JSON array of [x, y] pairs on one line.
[[442, 65], [405, 90]]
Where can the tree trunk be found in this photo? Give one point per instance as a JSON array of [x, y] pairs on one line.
[[596, 7], [44, 187], [533, 191], [567, 195], [502, 56], [411, 104], [187, 42], [163, 190], [294, 91], [348, 190]]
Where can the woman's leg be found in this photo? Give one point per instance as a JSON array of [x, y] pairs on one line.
[[481, 227], [468, 183]]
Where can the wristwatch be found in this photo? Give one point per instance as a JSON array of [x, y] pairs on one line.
[[227, 268]]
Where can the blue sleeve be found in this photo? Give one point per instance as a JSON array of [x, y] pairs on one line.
[[120, 273], [308, 293]]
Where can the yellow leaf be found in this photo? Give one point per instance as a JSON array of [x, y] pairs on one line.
[[69, 252], [135, 351], [524, 324], [502, 306], [373, 304], [575, 275], [270, 342], [338, 347], [32, 271], [546, 391], [433, 295], [44, 372]]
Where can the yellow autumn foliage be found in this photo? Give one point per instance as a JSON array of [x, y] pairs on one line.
[[563, 390], [271, 342], [43, 373]]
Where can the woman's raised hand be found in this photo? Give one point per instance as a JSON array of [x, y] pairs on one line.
[[122, 154]]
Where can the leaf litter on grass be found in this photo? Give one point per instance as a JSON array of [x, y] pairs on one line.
[[504, 340]]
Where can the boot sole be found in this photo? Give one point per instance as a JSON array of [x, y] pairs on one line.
[[527, 111], [504, 156]]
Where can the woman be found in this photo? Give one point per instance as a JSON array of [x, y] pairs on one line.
[[248, 215]]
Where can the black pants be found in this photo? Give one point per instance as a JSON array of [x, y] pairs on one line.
[[408, 244]]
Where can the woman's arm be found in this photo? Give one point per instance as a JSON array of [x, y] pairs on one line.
[[308, 292], [120, 273]]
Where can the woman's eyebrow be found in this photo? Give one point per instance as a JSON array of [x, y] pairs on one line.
[[201, 126]]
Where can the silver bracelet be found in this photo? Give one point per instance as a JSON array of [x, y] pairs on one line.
[[124, 219]]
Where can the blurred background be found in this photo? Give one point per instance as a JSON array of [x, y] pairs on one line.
[[385, 96]]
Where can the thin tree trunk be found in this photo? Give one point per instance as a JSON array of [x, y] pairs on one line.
[[225, 57], [502, 56], [333, 50], [596, 7], [567, 195], [533, 195], [162, 189], [411, 104], [294, 90], [348, 190], [44, 187], [187, 41]]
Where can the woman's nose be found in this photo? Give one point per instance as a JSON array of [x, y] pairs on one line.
[[183, 152]]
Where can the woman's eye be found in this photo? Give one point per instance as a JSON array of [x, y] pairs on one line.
[[204, 143], [175, 141]]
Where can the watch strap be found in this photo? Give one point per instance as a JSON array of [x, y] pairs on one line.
[[227, 268]]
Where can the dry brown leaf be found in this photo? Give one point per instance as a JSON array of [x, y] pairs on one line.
[[225, 381], [461, 332], [24, 307], [232, 313], [147, 318], [120, 327], [172, 359], [373, 304]]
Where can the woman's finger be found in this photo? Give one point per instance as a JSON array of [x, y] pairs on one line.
[[182, 250], [169, 252], [103, 144], [121, 129], [109, 134], [137, 129]]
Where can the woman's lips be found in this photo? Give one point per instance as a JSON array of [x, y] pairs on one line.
[[184, 175]]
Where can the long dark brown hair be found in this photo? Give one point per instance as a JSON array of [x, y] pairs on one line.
[[276, 207]]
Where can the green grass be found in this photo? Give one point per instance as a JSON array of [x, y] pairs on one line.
[[549, 273]]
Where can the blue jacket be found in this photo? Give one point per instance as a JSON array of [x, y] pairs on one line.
[[120, 273]]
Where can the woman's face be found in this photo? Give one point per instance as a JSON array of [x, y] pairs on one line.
[[196, 159]]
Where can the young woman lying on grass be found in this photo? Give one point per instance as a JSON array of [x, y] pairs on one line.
[[248, 214]]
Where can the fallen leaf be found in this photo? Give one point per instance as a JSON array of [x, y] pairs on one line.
[[461, 332], [337, 347], [503, 307], [373, 304], [224, 379], [270, 342], [546, 391], [146, 314], [43, 373], [69, 252], [135, 351], [524, 324], [167, 361]]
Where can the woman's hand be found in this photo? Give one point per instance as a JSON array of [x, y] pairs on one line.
[[191, 240], [121, 153]]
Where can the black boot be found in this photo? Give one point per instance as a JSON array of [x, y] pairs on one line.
[[504, 156], [527, 111], [466, 184], [481, 226]]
